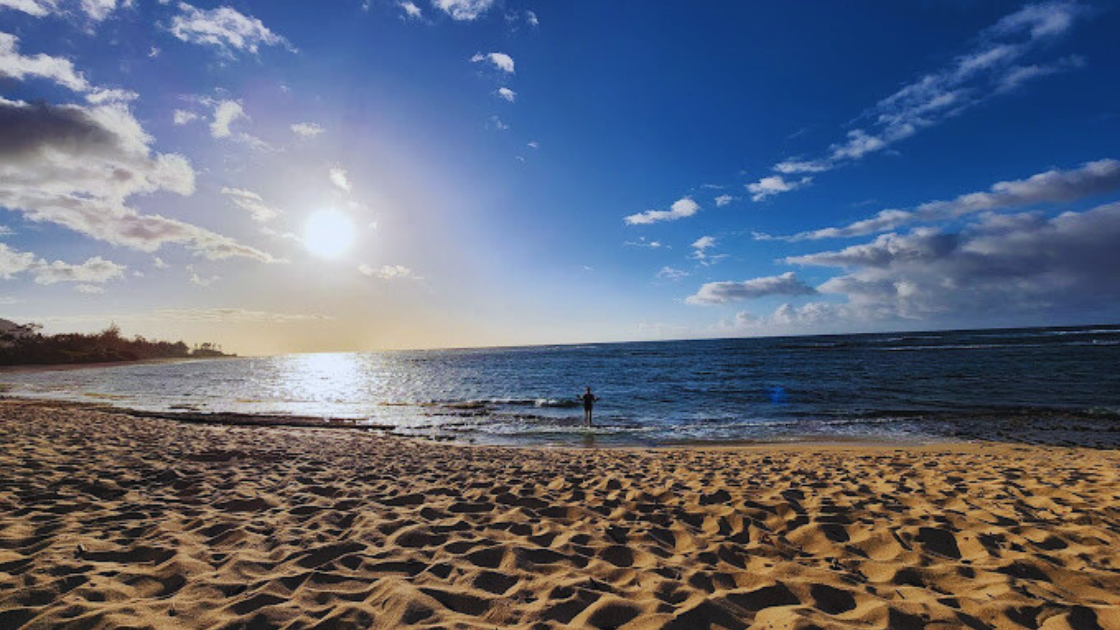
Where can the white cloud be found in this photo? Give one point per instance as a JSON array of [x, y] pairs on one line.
[[252, 203], [183, 117], [100, 96], [340, 178], [200, 281], [224, 28], [724, 200], [225, 114], [703, 243], [860, 143], [100, 9], [15, 65], [501, 61], [307, 129], [159, 263], [56, 69], [533, 144], [922, 245], [253, 142], [76, 166], [773, 185], [669, 273], [681, 208], [95, 10], [389, 272], [514, 19], [700, 249], [95, 270], [643, 242], [1053, 186], [89, 288], [37, 8], [287, 236], [791, 167], [726, 292], [995, 65], [497, 123], [1043, 19], [411, 11], [786, 317], [463, 10], [14, 262], [1019, 75], [507, 94]]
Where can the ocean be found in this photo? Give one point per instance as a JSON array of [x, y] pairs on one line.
[[1014, 383]]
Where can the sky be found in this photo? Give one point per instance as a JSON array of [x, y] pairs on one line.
[[352, 175]]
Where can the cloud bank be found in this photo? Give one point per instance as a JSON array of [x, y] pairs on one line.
[[1001, 264], [1053, 186]]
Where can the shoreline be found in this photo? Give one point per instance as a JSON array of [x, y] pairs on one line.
[[113, 520], [63, 367], [210, 418], [1098, 431], [265, 420]]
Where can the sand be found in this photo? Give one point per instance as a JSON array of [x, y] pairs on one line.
[[113, 521]]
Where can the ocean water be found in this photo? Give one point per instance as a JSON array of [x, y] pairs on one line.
[[886, 386]]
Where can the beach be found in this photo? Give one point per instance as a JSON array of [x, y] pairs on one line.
[[111, 520]]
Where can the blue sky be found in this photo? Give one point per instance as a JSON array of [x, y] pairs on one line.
[[508, 173]]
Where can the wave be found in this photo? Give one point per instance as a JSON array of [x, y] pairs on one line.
[[819, 345], [1089, 331], [512, 402], [1002, 346]]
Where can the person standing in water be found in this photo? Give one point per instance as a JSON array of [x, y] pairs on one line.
[[588, 403]]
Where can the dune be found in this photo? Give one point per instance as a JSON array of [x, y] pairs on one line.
[[109, 520]]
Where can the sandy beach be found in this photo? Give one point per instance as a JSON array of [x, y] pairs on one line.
[[109, 520]]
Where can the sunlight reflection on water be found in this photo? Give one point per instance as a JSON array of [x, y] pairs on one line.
[[328, 379]]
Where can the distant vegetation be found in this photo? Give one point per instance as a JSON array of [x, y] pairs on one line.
[[23, 344]]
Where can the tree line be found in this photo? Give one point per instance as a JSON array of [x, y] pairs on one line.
[[26, 345]]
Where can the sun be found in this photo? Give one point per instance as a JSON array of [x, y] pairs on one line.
[[329, 233]]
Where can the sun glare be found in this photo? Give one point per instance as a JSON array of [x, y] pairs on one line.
[[329, 233]]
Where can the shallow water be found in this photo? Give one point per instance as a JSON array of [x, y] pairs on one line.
[[888, 386]]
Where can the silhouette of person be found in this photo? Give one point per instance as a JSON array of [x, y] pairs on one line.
[[589, 400]]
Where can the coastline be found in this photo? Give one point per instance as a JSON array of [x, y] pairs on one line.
[[1091, 431], [60, 367], [109, 519], [210, 418]]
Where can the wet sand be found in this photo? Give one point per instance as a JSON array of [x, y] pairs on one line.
[[110, 520]]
